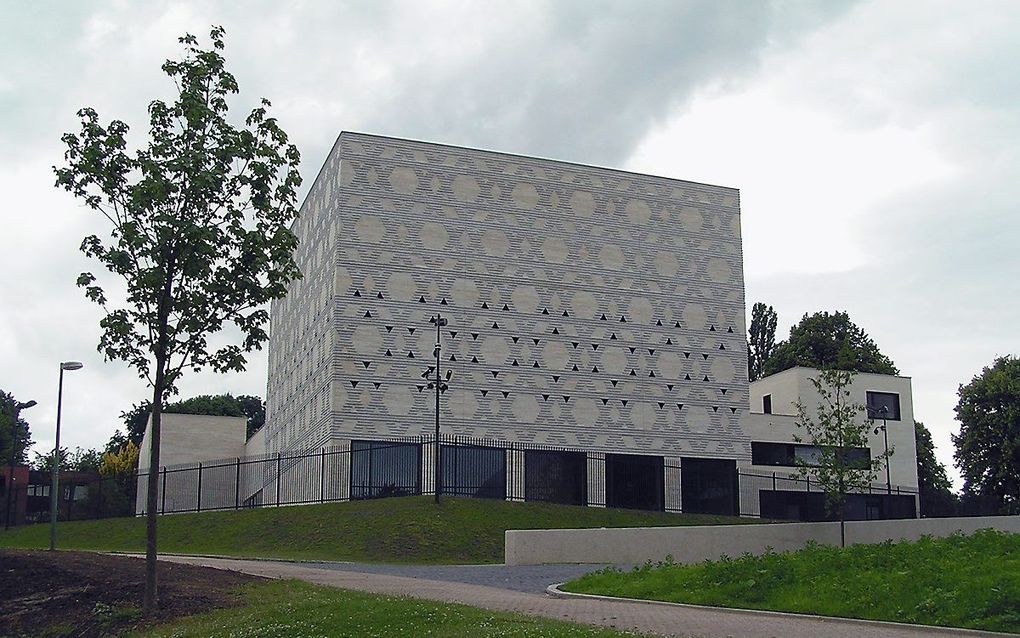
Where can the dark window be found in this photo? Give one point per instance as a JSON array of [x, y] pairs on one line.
[[634, 481], [883, 405], [794, 505], [797, 454], [708, 486], [556, 477], [470, 470], [381, 468], [766, 404]]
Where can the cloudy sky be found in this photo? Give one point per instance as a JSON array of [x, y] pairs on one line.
[[874, 144]]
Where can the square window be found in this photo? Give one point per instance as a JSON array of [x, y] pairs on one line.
[[883, 405]]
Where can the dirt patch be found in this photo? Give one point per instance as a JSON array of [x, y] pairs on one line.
[[87, 595]]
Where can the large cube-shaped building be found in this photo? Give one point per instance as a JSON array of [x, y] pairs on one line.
[[587, 307], [594, 330]]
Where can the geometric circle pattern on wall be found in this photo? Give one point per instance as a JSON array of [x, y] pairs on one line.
[[582, 203], [465, 188], [404, 180], [580, 301]]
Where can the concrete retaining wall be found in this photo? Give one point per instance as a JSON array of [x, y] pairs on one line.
[[696, 544]]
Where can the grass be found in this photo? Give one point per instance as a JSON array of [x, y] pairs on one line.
[[292, 609], [960, 581], [393, 530]]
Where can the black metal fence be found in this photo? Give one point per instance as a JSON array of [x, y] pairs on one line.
[[368, 469]]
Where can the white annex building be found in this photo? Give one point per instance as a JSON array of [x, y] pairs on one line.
[[595, 335]]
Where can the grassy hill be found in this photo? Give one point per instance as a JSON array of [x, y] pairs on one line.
[[393, 530], [960, 581]]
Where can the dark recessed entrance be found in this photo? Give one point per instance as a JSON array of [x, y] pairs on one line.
[[634, 481], [709, 486], [471, 470], [556, 477]]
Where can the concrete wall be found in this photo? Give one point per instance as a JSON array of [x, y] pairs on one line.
[[187, 439], [193, 438], [587, 307], [696, 544]]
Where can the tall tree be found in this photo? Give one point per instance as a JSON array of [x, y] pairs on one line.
[[21, 437], [826, 341], [255, 410], [837, 428], [761, 339], [135, 420], [201, 236], [988, 446], [935, 490]]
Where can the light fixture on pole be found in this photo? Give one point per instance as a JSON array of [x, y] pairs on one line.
[[884, 411], [441, 386], [55, 469], [14, 447]]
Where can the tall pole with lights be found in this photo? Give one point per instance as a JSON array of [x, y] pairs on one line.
[[14, 457], [55, 478], [441, 386], [884, 411]]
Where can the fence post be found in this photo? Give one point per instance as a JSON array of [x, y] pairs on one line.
[[198, 507], [322, 476], [774, 482], [808, 477], [163, 495], [278, 478], [237, 484]]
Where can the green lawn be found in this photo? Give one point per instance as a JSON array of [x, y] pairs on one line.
[[961, 581], [393, 530], [292, 609]]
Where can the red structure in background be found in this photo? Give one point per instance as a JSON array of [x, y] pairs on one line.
[[14, 502], [30, 498]]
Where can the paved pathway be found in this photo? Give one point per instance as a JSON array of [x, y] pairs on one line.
[[664, 620], [524, 578]]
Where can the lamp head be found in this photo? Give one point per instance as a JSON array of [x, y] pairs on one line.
[[71, 365], [26, 405]]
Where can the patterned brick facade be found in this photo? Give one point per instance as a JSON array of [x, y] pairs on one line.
[[588, 307]]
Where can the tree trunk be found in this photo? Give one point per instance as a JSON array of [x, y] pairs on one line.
[[150, 599]]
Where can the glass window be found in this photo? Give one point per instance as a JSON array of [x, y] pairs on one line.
[[883, 405], [766, 404], [556, 477], [796, 454], [382, 468], [471, 470]]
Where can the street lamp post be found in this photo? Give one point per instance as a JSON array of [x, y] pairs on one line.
[[440, 321], [884, 410], [55, 479], [14, 456]]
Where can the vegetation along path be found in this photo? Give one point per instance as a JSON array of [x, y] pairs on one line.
[[665, 620]]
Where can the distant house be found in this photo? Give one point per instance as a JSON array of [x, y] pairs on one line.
[[30, 498]]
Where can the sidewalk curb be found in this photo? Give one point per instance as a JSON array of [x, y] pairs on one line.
[[554, 591]]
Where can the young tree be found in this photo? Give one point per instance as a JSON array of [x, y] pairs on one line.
[[761, 339], [825, 340], [988, 446], [837, 428], [935, 491], [201, 238]]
